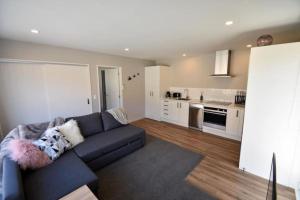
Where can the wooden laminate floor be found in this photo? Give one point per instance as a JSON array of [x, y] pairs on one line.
[[218, 172]]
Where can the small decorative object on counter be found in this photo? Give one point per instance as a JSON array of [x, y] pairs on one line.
[[168, 94], [201, 97], [240, 97], [264, 40]]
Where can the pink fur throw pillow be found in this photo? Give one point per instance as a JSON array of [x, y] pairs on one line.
[[27, 155]]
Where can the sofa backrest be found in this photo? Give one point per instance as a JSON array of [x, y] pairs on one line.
[[12, 181], [109, 122], [89, 124]]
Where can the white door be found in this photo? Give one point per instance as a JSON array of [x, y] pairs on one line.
[[112, 88], [31, 93], [148, 92], [68, 90], [23, 98], [152, 94], [183, 115], [233, 122], [174, 106], [155, 85]]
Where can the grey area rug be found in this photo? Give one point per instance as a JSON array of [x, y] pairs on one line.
[[155, 172]]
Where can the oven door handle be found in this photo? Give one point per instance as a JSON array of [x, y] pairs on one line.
[[216, 113]]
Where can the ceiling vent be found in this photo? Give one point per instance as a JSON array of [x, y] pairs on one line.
[[222, 64]]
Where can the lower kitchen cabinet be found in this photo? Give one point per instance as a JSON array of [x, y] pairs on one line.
[[176, 112], [234, 123]]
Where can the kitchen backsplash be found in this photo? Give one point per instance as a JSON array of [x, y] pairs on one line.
[[211, 94]]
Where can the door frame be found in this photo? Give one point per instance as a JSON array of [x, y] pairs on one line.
[[121, 88]]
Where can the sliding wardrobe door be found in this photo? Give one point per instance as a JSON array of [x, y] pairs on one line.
[[31, 93], [23, 98], [68, 90]]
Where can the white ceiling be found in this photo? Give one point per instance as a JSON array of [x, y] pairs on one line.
[[151, 29]]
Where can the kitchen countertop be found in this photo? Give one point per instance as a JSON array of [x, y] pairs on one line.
[[206, 103]]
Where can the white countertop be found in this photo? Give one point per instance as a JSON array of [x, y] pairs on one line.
[[206, 103]]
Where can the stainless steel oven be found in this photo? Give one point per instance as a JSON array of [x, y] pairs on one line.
[[215, 117]]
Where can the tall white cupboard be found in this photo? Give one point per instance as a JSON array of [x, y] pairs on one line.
[[272, 115], [157, 82]]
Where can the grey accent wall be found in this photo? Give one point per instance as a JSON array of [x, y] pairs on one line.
[[134, 90]]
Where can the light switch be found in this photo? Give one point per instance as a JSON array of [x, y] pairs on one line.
[[94, 97]]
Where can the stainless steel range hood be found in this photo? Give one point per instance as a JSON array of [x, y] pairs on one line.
[[222, 64]]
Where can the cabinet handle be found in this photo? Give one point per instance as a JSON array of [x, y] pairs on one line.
[[177, 105], [237, 113], [180, 104]]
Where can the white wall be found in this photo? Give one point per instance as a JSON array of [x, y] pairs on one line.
[[272, 115], [133, 93]]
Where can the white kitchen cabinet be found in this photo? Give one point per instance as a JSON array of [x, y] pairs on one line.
[[169, 111], [157, 82], [234, 123], [183, 114], [176, 112]]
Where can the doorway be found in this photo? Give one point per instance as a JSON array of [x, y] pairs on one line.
[[110, 87]]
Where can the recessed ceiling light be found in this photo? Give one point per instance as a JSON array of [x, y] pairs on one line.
[[126, 49], [228, 23], [249, 45], [184, 55], [34, 31]]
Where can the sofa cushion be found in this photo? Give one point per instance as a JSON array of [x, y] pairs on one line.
[[109, 122], [100, 144], [89, 124], [71, 131], [53, 143], [58, 179]]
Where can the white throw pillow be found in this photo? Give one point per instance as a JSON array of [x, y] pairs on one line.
[[71, 131]]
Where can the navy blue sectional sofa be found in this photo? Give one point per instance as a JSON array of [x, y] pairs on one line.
[[106, 140]]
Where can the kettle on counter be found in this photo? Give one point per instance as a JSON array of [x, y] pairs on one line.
[[168, 94]]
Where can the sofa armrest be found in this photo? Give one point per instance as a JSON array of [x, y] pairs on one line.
[[12, 181]]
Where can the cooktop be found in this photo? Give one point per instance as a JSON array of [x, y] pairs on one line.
[[222, 103]]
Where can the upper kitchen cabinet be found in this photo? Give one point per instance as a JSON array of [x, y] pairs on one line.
[[234, 123], [157, 82]]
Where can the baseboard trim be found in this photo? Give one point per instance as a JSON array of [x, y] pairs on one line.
[[136, 119]]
